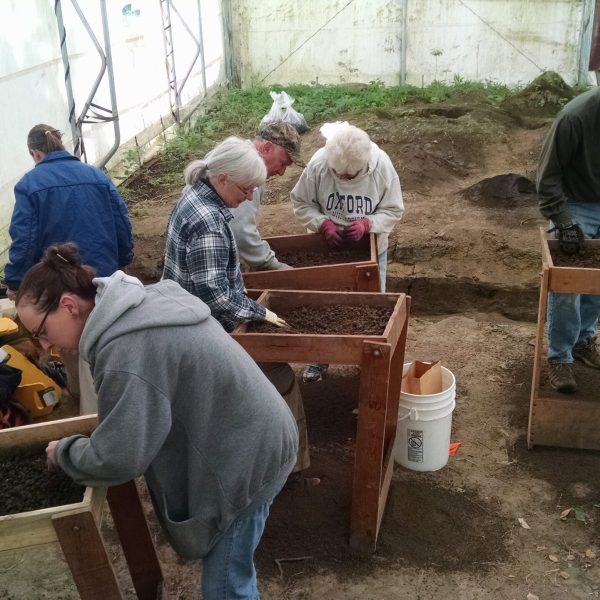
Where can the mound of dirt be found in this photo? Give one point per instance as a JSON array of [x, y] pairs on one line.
[[436, 142], [540, 100], [504, 191]]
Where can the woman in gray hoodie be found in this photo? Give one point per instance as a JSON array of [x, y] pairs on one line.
[[179, 401]]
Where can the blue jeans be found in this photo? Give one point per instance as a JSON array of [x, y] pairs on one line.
[[228, 571], [382, 258], [573, 318]]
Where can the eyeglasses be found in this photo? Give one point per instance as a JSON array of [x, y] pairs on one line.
[[39, 333], [245, 191]]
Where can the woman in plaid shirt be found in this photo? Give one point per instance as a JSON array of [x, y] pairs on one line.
[[201, 254]]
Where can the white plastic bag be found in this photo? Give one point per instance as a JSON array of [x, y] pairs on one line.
[[281, 110]]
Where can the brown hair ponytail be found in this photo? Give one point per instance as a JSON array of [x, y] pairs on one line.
[[60, 271], [45, 138]]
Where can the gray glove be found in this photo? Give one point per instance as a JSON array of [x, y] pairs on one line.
[[274, 265], [570, 238]]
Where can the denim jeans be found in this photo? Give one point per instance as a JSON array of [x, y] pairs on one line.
[[228, 571], [573, 318]]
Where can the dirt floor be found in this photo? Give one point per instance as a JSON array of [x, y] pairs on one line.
[[494, 523]]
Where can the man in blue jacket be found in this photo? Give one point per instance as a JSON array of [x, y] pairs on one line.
[[62, 200]]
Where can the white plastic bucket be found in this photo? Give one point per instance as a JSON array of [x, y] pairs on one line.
[[424, 426]]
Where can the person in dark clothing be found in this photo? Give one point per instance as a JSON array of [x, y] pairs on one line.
[[568, 184]]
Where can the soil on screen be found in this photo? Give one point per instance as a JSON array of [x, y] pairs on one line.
[[588, 258], [330, 257], [27, 484], [341, 319]]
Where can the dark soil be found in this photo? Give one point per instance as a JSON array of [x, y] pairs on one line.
[[540, 100], [502, 191], [350, 319], [589, 258], [331, 257], [26, 484]]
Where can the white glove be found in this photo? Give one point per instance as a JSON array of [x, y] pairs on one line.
[[271, 317]]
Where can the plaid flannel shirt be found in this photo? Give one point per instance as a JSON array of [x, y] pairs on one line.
[[201, 256]]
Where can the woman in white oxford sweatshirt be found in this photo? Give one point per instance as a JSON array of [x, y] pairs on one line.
[[348, 189]]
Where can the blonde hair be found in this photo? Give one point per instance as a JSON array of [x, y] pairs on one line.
[[238, 159], [348, 150]]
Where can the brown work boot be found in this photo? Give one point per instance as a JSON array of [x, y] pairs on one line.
[[587, 353], [561, 377]]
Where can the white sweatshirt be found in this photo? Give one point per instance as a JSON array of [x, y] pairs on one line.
[[376, 194], [252, 249]]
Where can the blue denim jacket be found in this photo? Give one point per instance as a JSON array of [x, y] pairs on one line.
[[65, 200]]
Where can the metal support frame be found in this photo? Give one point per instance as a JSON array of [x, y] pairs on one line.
[[403, 42], [166, 7], [594, 61], [91, 112], [232, 74], [586, 41], [174, 100]]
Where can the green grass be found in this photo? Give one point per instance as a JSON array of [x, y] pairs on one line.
[[238, 112]]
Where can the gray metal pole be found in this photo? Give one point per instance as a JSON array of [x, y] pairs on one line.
[[174, 101], [111, 86], [201, 39], [62, 34], [403, 42], [585, 42]]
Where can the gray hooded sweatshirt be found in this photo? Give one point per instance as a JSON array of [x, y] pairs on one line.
[[182, 403]]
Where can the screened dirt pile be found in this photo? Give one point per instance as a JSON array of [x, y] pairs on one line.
[[331, 257], [342, 319], [27, 484], [588, 258]]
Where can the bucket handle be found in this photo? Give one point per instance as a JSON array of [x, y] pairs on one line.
[[413, 413]]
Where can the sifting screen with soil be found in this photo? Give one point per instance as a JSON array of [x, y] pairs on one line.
[[338, 319], [26, 484], [305, 258], [589, 258]]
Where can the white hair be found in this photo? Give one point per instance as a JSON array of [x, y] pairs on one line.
[[348, 150], [237, 158]]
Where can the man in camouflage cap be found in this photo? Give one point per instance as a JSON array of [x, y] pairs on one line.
[[279, 145], [283, 135]]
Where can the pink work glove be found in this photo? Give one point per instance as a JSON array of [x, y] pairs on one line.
[[357, 229], [330, 233]]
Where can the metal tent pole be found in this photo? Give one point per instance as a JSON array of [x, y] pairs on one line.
[[62, 34], [91, 112], [174, 100], [201, 42]]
